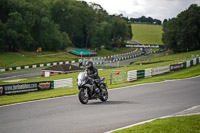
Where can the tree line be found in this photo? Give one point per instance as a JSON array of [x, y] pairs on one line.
[[145, 20], [58, 24], [182, 34]]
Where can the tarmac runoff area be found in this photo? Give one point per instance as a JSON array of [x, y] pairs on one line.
[[190, 111]]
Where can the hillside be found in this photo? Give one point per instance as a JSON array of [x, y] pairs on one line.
[[147, 34]]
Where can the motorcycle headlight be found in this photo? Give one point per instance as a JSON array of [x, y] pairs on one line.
[[79, 82]]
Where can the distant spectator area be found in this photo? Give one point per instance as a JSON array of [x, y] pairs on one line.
[[83, 52]]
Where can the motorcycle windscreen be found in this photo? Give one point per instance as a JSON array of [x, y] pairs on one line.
[[81, 78]]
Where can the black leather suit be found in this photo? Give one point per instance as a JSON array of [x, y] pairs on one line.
[[93, 73]]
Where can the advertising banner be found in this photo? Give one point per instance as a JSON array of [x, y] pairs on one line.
[[176, 67], [27, 87], [160, 70], [20, 88], [141, 46], [1, 90], [45, 85]]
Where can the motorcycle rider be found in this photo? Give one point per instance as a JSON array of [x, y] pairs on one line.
[[92, 73]]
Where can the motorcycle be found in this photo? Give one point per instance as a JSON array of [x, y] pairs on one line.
[[91, 89]]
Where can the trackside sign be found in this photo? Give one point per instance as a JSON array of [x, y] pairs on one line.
[[26, 87], [160, 70], [176, 67], [142, 46], [1, 90]]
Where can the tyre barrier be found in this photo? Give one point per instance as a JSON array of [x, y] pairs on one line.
[[139, 74], [38, 65]]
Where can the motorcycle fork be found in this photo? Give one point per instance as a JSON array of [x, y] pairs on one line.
[[86, 92]]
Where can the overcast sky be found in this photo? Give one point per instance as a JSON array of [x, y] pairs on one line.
[[159, 9]]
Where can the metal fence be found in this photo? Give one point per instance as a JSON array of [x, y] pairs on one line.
[[117, 76]]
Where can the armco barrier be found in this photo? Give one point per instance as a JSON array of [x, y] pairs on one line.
[[38, 65], [63, 83], [198, 60], [194, 61], [140, 74], [160, 70], [191, 62], [184, 65], [148, 73], [187, 64], [132, 75]]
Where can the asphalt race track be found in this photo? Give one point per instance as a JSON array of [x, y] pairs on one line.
[[125, 106], [19, 74]]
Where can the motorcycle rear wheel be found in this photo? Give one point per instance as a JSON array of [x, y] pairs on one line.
[[83, 97]]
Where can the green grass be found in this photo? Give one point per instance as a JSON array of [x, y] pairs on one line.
[[147, 34], [181, 124], [28, 58], [105, 52]]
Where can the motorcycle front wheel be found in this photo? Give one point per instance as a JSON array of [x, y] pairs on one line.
[[83, 96], [104, 95]]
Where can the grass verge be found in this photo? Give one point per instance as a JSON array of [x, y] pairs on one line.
[[181, 124], [105, 52]]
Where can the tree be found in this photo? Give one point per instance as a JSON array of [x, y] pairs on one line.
[[182, 33], [148, 20], [102, 35], [164, 21], [120, 30], [57, 24], [17, 35], [2, 36]]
